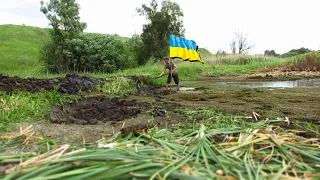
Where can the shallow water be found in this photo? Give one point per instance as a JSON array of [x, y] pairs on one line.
[[175, 88], [301, 83]]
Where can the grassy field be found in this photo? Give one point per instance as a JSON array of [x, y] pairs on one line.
[[19, 47], [208, 145]]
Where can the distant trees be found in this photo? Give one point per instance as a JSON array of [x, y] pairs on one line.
[[162, 21], [291, 53], [270, 53], [294, 52], [221, 53], [71, 50], [239, 44]]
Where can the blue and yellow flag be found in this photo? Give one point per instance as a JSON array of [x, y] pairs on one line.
[[184, 49]]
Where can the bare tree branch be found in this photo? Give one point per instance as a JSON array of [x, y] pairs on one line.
[[241, 42], [233, 46]]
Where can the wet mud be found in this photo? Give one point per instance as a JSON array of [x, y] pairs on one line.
[[298, 104], [94, 110], [70, 84]]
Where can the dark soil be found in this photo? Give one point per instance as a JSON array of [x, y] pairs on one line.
[[93, 110], [71, 84]]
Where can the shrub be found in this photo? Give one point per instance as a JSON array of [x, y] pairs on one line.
[[93, 52]]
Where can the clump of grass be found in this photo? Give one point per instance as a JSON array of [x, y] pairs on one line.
[[118, 86], [211, 118], [259, 151], [308, 62]]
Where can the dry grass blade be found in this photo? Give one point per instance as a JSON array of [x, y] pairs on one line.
[[44, 158], [3, 106], [26, 133], [258, 152]]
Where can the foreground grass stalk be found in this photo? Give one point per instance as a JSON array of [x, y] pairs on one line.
[[252, 153]]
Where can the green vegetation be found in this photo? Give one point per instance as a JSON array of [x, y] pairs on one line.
[[19, 47], [295, 52], [206, 144], [25, 106], [21, 54], [70, 50], [306, 62], [64, 19], [162, 22], [21, 58], [254, 152]]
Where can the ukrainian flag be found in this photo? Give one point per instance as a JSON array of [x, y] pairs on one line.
[[184, 49]]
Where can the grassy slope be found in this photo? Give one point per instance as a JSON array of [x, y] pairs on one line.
[[19, 47]]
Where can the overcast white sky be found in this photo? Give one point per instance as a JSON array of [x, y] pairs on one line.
[[281, 25]]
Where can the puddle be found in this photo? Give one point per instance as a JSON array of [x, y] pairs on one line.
[[175, 88], [302, 83], [186, 89]]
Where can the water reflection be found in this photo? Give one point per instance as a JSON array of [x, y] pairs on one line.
[[302, 83]]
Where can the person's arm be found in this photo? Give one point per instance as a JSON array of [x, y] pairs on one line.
[[163, 71]]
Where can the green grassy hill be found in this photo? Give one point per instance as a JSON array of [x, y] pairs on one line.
[[204, 53], [19, 48]]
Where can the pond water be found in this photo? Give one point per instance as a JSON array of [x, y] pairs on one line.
[[301, 83]]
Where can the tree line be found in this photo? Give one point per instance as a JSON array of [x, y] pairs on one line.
[[72, 50]]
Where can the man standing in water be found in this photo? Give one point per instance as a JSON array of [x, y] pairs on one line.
[[168, 64]]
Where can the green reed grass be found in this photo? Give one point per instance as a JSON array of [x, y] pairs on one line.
[[240, 59], [259, 151]]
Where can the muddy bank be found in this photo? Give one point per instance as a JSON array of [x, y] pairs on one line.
[[92, 118], [300, 104], [71, 84]]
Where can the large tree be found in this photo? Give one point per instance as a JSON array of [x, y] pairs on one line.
[[64, 19], [161, 22]]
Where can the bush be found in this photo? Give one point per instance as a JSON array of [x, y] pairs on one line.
[[93, 53], [134, 46]]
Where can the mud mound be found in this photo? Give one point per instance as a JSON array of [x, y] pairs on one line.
[[71, 84], [32, 85], [94, 110]]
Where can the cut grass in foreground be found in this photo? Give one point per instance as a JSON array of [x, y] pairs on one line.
[[260, 151]]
